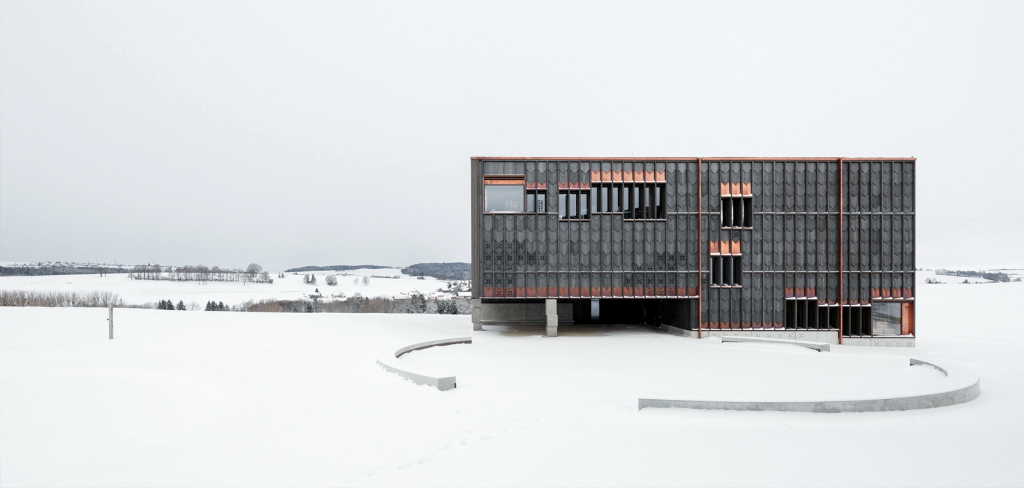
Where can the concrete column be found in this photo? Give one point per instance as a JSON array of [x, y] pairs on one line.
[[551, 311], [477, 320]]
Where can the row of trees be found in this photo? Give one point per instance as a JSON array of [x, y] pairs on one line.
[[254, 273], [416, 304]]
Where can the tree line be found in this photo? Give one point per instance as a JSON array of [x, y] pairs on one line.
[[56, 270], [254, 273]]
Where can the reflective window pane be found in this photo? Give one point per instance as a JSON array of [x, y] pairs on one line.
[[886, 318], [542, 198], [563, 205], [531, 202], [503, 198]]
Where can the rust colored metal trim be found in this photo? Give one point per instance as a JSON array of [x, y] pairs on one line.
[[536, 158], [819, 159], [841, 250], [700, 246], [685, 158]]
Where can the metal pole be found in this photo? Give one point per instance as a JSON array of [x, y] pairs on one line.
[[110, 319], [700, 248], [842, 246]]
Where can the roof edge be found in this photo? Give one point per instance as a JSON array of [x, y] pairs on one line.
[[713, 158]]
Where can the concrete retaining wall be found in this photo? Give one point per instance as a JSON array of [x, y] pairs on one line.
[[389, 360], [962, 385], [819, 346]]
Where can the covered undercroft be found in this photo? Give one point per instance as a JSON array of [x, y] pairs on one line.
[[675, 312]]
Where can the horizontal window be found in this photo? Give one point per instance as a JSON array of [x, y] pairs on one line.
[[634, 201], [504, 194]]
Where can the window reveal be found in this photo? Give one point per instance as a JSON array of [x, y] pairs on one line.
[[737, 205], [574, 204], [536, 201], [635, 201], [504, 194], [725, 264]]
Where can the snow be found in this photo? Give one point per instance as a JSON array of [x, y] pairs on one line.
[[248, 399], [290, 287]]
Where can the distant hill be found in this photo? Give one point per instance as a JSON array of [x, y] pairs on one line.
[[441, 271], [339, 267]]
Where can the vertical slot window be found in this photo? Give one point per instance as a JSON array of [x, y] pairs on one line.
[[789, 321], [563, 205], [726, 212], [748, 212], [737, 270], [584, 205], [635, 198], [531, 201], [658, 202], [737, 212], [604, 198], [726, 270]]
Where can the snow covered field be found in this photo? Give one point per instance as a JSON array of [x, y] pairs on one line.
[[247, 399], [290, 287]]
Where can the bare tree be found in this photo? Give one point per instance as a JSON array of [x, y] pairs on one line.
[[253, 270], [366, 280], [331, 280]]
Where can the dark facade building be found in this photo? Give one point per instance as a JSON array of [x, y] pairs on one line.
[[801, 248]]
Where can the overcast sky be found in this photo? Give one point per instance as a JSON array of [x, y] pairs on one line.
[[294, 133]]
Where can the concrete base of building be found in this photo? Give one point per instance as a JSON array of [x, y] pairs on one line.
[[475, 313], [826, 336], [904, 341], [551, 312]]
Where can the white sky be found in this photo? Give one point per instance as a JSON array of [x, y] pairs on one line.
[[325, 133]]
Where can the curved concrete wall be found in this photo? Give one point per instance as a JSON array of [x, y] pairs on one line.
[[389, 360], [962, 386]]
